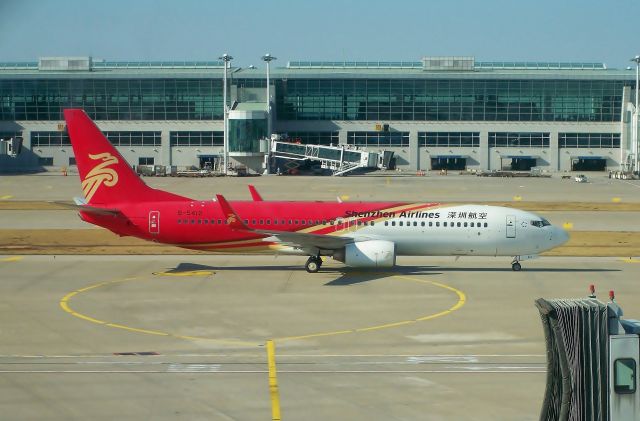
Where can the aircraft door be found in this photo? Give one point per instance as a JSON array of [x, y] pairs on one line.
[[511, 226], [154, 222]]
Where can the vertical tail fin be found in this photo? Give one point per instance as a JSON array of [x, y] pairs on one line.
[[106, 176]]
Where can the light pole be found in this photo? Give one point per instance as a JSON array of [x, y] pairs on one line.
[[268, 58], [634, 126], [226, 58]]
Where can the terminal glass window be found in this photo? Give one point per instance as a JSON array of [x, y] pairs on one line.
[[50, 139], [145, 160], [589, 140], [378, 139], [513, 139], [624, 375], [449, 99], [196, 138], [314, 138], [112, 99], [126, 138], [449, 139]]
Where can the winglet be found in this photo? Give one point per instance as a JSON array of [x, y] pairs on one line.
[[254, 194], [234, 221]]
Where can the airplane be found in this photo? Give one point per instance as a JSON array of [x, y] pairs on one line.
[[358, 234]]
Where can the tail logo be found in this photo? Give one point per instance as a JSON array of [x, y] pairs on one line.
[[100, 174]]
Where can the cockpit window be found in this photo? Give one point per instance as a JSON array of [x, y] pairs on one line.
[[541, 223]]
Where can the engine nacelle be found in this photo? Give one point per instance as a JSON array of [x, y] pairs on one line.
[[372, 253]]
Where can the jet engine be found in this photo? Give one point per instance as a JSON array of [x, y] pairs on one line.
[[372, 253]]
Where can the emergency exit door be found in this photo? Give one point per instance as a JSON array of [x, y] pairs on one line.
[[511, 226], [154, 222]]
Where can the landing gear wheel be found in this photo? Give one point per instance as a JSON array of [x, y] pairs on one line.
[[516, 266], [313, 264]]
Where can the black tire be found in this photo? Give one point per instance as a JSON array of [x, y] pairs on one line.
[[516, 267], [312, 265]]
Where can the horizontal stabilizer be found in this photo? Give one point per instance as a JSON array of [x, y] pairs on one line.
[[80, 206]]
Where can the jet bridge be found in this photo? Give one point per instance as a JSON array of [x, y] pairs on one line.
[[339, 159], [592, 360]]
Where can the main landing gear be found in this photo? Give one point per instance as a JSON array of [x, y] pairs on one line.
[[313, 264], [515, 264]]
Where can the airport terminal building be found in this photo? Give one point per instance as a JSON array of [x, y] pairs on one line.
[[436, 113]]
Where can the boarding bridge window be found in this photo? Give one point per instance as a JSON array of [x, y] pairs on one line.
[[449, 139], [624, 376], [378, 139]]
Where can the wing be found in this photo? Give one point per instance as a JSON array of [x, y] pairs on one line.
[[311, 243], [305, 241]]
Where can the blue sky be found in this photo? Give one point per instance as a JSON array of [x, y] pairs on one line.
[[544, 30]]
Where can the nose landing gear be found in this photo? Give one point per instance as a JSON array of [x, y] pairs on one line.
[[313, 264], [515, 264]]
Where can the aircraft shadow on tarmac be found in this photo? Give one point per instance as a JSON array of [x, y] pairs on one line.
[[351, 276]]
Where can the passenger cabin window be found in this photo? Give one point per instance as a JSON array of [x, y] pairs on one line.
[[624, 375], [444, 224]]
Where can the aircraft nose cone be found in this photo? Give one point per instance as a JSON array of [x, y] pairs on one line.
[[560, 236]]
